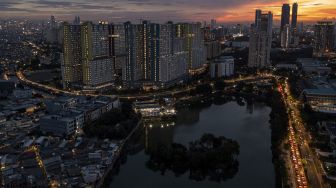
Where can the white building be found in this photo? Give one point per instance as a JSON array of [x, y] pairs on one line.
[[222, 67]]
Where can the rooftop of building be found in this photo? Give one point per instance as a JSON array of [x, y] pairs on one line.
[[241, 39], [224, 59], [321, 91]]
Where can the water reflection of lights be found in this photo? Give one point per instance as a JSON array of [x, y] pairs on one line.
[[162, 125]]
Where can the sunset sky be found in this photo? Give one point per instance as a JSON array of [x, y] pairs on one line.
[[163, 10]]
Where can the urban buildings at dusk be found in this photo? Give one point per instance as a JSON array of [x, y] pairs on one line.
[[156, 93], [324, 37], [140, 54]]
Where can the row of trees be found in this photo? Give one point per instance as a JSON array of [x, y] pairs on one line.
[[116, 124], [279, 132], [207, 89]]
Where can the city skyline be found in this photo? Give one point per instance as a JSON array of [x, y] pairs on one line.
[[161, 11]]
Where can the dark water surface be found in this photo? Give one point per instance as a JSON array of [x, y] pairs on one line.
[[246, 124]]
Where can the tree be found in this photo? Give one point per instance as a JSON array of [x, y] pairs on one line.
[[203, 89], [219, 85]]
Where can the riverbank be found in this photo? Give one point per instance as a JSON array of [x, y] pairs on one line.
[[104, 181]]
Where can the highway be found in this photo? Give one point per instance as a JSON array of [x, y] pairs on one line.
[[295, 156], [299, 139], [173, 92]]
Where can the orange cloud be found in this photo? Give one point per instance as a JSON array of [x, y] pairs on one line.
[[309, 10]]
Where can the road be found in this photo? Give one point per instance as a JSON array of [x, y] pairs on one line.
[[24, 80], [295, 156], [299, 140]]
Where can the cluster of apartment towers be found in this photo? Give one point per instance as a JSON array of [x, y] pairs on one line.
[[261, 35], [96, 56]]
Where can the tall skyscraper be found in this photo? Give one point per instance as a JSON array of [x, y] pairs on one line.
[[172, 64], [71, 62], [285, 27], [193, 44], [97, 55], [143, 55], [117, 42], [285, 15], [156, 54], [77, 20], [294, 30], [285, 36], [52, 22], [213, 24], [257, 18], [324, 38], [131, 71], [97, 63], [294, 15], [261, 41]]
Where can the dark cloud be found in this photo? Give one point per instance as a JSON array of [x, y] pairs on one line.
[[8, 6], [147, 9], [72, 5]]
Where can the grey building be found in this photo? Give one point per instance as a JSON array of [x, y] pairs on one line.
[[285, 27], [261, 41], [324, 38], [222, 67], [58, 125], [71, 61]]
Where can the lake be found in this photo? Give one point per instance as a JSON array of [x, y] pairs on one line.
[[247, 124]]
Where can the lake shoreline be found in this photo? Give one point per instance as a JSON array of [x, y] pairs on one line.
[[208, 102]]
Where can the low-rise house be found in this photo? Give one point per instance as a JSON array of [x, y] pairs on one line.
[[311, 65]]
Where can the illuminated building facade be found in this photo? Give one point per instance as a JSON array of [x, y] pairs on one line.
[[71, 63], [157, 54], [172, 65], [324, 38], [117, 49], [194, 44], [137, 55], [97, 63], [285, 15]]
